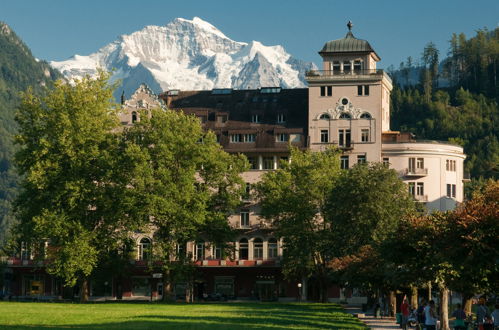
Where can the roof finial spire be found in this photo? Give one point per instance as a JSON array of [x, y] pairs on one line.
[[350, 25]]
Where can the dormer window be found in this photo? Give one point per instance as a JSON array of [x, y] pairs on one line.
[[255, 119], [281, 118]]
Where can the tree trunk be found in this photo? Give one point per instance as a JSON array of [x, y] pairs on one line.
[[429, 291], [304, 293], [392, 304], [444, 308], [167, 287], [414, 296], [84, 290]]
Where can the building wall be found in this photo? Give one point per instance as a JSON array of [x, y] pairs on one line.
[[435, 174]]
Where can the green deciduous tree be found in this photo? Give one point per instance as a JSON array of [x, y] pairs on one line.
[[186, 184], [294, 199], [73, 185]]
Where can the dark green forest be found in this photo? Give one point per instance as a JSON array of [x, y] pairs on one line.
[[18, 71], [464, 110]]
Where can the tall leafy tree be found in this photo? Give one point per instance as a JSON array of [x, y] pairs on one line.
[[73, 185], [187, 185], [294, 199]]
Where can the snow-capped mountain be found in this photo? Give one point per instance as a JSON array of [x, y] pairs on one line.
[[189, 55]]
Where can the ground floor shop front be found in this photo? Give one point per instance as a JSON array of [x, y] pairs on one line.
[[259, 283]]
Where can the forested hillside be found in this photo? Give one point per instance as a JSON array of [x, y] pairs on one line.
[[18, 71], [466, 111]]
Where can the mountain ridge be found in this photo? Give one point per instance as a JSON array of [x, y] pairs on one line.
[[188, 55]]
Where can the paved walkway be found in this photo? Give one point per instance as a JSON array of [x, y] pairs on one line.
[[372, 322]]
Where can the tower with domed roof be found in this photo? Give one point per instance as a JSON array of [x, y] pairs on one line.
[[349, 100]]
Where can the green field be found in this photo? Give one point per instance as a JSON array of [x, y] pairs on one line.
[[14, 315]]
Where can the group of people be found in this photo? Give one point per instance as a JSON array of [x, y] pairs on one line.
[[427, 316]]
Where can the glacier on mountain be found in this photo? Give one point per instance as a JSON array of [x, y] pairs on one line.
[[188, 55]]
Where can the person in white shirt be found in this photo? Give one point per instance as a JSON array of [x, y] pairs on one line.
[[430, 316]]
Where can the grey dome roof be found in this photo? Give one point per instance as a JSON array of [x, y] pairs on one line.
[[347, 45]]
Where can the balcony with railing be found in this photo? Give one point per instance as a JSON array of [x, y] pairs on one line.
[[416, 172], [365, 74], [421, 198]]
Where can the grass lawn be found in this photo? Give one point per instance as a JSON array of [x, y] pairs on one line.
[[17, 315]]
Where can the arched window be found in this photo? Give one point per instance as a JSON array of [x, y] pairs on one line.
[[345, 115], [134, 116], [257, 248], [144, 249], [365, 115], [243, 249], [325, 116], [272, 247], [199, 250]]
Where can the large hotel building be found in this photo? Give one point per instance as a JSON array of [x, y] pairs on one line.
[[346, 105]]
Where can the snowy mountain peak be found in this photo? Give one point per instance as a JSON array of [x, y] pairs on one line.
[[188, 54]]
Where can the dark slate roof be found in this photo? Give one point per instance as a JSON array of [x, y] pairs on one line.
[[239, 106], [349, 44]]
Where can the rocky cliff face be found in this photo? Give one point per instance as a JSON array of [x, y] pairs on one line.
[[189, 55]]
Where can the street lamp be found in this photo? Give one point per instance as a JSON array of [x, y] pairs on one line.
[[299, 291]]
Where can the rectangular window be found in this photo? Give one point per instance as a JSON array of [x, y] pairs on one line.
[[347, 67], [357, 66], [420, 189], [253, 161], [386, 161], [199, 251], [247, 191], [420, 163], [364, 135], [361, 159], [281, 118], [217, 252], [336, 67], [272, 248], [412, 165], [282, 137], [324, 136], [244, 215], [255, 118], [344, 138], [326, 90], [412, 188], [236, 138], [222, 119], [363, 90], [344, 162], [450, 165], [451, 190], [268, 163], [249, 137]]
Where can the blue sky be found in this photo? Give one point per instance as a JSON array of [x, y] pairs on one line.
[[58, 29]]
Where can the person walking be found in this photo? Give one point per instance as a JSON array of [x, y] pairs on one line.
[[420, 314], [430, 316], [482, 315], [404, 309]]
